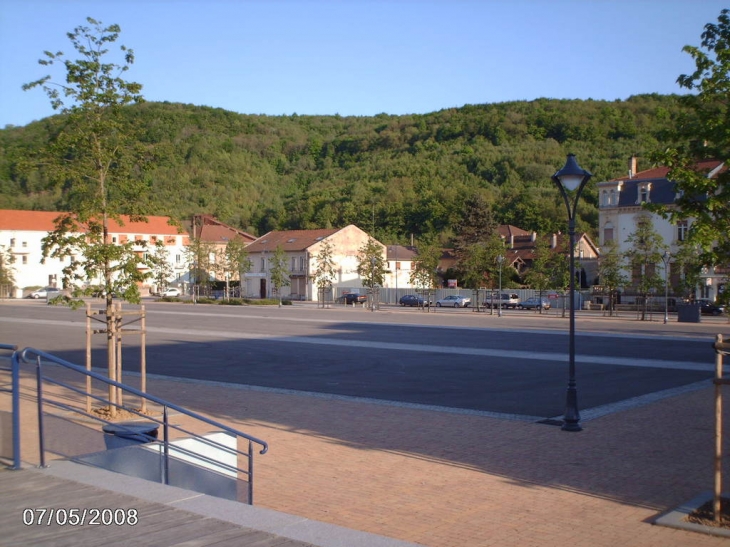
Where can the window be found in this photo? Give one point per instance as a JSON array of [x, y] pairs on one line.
[[293, 263], [12, 242], [24, 244], [263, 264], [301, 263], [178, 258], [682, 227], [114, 239], [643, 193], [612, 198], [607, 232], [25, 259]]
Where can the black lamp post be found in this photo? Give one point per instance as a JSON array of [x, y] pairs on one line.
[[665, 259], [571, 178], [500, 261]]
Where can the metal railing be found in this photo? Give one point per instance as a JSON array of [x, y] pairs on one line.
[[15, 394], [31, 355]]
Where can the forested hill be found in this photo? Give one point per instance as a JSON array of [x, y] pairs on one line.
[[401, 175]]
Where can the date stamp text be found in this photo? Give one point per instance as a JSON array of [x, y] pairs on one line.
[[48, 516]]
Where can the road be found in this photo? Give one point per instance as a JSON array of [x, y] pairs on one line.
[[514, 366]]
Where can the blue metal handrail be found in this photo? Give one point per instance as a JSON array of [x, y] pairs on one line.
[[31, 355]]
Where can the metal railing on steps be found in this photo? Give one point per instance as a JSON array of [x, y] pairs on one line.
[[41, 358]]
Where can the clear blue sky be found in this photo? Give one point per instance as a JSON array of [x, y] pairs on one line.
[[353, 57]]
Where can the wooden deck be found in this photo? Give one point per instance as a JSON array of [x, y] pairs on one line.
[[157, 524]]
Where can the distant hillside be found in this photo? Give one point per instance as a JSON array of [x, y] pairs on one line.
[[401, 174]]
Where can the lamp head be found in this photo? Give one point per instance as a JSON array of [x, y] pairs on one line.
[[572, 175]]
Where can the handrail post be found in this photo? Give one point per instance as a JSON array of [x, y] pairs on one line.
[[717, 499], [88, 357], [39, 395], [15, 362], [143, 359], [165, 448], [250, 472]]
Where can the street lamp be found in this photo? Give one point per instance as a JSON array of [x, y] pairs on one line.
[[500, 260], [665, 259], [571, 178]]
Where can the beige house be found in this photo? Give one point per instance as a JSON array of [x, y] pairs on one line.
[[301, 248]]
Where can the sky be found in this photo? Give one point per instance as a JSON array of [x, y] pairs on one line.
[[363, 57]]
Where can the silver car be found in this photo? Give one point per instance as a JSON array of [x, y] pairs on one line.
[[47, 292], [454, 301]]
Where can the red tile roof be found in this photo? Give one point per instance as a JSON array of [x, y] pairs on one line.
[[290, 240], [703, 166], [42, 221]]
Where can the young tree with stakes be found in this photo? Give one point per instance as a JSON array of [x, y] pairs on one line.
[[325, 274], [279, 273], [97, 161]]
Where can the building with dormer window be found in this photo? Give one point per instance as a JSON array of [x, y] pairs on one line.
[[621, 208]]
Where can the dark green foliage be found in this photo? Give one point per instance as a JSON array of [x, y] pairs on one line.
[[391, 175]]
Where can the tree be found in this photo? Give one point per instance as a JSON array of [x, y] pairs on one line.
[[159, 260], [702, 132], [200, 257], [7, 270], [95, 157], [644, 254], [278, 272], [236, 260], [540, 276], [425, 265], [325, 273], [686, 260], [611, 272], [476, 225], [371, 265]]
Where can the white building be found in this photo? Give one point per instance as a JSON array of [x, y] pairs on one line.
[[621, 206], [22, 232]]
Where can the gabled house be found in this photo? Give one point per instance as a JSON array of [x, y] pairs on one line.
[[301, 248], [400, 261], [621, 207], [520, 248], [22, 232]]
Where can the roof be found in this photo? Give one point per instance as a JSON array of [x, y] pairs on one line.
[[42, 221], [210, 229], [662, 190], [507, 230], [399, 252], [290, 240], [660, 172]]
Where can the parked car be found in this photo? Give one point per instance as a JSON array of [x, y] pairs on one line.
[[46, 292], [454, 301], [534, 303], [171, 291], [413, 300], [504, 300], [710, 308], [352, 298]]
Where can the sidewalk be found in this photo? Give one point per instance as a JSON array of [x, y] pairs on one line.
[[452, 480]]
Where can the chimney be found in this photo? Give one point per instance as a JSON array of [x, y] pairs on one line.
[[554, 241], [632, 166], [533, 237], [511, 241]]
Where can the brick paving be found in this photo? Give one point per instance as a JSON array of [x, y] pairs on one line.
[[444, 479]]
